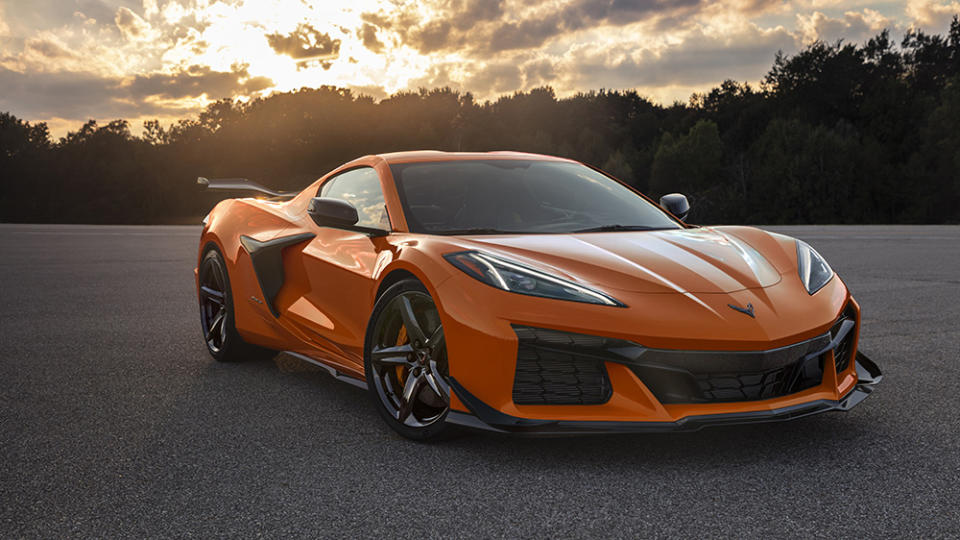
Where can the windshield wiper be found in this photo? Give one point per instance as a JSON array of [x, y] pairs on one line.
[[618, 227]]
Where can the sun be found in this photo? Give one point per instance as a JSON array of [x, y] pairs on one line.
[[234, 35]]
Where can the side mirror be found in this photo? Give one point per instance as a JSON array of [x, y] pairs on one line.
[[329, 212], [676, 204]]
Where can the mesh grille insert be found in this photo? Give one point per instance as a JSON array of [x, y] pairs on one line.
[[676, 376], [843, 352], [552, 370]]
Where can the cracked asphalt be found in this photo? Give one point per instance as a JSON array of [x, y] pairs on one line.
[[116, 423]]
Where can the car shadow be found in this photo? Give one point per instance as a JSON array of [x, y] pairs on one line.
[[817, 438]]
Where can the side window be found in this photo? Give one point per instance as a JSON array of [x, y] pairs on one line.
[[361, 188]]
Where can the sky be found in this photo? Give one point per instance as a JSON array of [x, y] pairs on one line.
[[66, 61]]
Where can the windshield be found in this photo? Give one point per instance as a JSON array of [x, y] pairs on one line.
[[519, 196]]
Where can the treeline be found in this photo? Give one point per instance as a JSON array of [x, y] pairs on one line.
[[838, 133]]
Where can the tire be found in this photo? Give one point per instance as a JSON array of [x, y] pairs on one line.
[[217, 322], [405, 362]]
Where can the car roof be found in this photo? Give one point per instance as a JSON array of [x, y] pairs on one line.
[[436, 155]]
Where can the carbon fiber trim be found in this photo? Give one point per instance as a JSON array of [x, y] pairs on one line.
[[268, 263]]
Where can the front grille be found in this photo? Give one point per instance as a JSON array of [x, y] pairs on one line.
[[752, 386], [564, 368], [556, 368], [843, 352], [721, 376]]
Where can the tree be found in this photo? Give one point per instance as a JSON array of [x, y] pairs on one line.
[[689, 163], [837, 133]]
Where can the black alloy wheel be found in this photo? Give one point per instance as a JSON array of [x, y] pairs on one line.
[[406, 362]]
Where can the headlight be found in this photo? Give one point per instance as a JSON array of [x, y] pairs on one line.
[[515, 277], [813, 268]]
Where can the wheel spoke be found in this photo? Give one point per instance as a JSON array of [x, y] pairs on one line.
[[410, 390], [438, 376], [435, 385], [212, 295], [437, 343], [216, 326], [215, 274], [392, 356], [391, 352], [410, 321]]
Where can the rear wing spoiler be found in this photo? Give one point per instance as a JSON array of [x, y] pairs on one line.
[[241, 184]]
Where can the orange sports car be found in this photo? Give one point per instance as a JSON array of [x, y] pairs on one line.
[[528, 294]]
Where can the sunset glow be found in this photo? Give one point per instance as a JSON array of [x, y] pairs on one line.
[[67, 61]]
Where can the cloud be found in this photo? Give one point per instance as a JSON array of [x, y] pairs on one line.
[[131, 25], [368, 35], [469, 12], [692, 61], [150, 8], [485, 79], [853, 27], [496, 77], [524, 34], [539, 72], [306, 43], [64, 94], [487, 26], [373, 91], [47, 48], [4, 27], [25, 17], [932, 15], [78, 95], [701, 58], [196, 81], [434, 36]]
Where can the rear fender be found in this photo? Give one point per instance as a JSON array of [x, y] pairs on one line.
[[226, 223]]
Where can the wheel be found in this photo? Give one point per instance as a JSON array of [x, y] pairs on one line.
[[405, 358], [216, 312]]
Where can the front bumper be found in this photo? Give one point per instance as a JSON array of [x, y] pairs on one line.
[[484, 417], [490, 367]]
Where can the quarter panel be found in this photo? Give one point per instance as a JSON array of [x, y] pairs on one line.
[[263, 221]]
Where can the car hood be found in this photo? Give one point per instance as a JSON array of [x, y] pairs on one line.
[[697, 260]]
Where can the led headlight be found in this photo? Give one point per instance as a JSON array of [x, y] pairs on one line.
[[813, 268], [514, 277]]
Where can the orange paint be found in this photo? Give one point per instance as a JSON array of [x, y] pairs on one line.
[[673, 302]]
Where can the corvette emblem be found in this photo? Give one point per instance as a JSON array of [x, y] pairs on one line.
[[747, 310]]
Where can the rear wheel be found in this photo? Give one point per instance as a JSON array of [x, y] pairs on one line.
[[216, 312], [405, 357]]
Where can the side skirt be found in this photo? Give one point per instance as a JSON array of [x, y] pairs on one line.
[[330, 369]]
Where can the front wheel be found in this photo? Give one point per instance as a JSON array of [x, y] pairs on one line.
[[405, 359]]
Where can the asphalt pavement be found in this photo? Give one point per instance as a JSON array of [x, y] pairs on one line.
[[115, 422]]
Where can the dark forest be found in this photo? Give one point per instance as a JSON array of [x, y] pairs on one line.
[[837, 133]]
